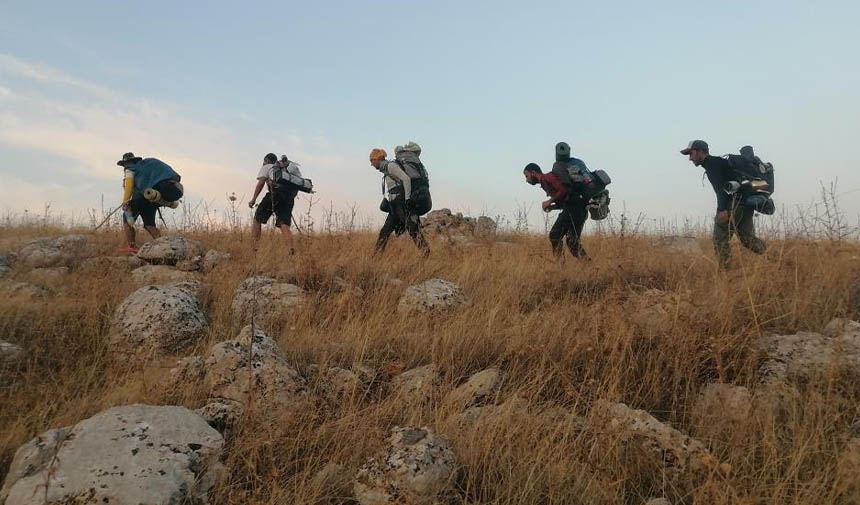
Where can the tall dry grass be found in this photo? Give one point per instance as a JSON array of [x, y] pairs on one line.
[[561, 332]]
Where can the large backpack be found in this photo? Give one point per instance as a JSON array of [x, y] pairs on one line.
[[749, 171], [583, 183], [408, 158], [284, 180]]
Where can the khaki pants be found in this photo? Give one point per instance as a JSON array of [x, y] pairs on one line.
[[740, 222]]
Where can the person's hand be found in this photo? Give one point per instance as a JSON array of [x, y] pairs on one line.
[[546, 206], [251, 204], [723, 216], [124, 205]]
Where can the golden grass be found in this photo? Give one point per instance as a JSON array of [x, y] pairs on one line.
[[561, 332]]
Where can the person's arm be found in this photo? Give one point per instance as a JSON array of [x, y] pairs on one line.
[[395, 171], [558, 194], [127, 187], [261, 181]]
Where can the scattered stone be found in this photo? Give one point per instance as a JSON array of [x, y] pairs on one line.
[[54, 252], [230, 370], [194, 264], [48, 276], [725, 405], [432, 295], [679, 244], [481, 388], [445, 223], [222, 414], [23, 292], [161, 319], [188, 370], [109, 263], [7, 261], [11, 355], [655, 311], [416, 386], [805, 355], [266, 297], [125, 455], [213, 258], [339, 383], [676, 452], [416, 467], [170, 250], [159, 274]]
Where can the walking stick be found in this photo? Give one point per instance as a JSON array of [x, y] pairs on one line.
[[107, 218]]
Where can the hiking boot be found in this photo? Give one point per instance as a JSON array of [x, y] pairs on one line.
[[130, 249]]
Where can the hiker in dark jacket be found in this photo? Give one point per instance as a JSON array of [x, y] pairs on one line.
[[573, 212], [398, 191], [732, 216], [147, 185]]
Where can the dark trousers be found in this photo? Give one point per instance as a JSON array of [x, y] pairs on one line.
[[740, 222], [399, 220], [569, 224]]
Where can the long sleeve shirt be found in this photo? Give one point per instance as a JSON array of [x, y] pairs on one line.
[[553, 187], [718, 172], [393, 170]]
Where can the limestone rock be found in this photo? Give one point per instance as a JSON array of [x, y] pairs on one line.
[[447, 224], [416, 386], [7, 262], [230, 370], [265, 297], [676, 452], [221, 414], [125, 455], [107, 263], [432, 295], [655, 311], [159, 274], [163, 319], [11, 355], [170, 250], [23, 292], [213, 258], [416, 467], [334, 480], [340, 383], [805, 355], [53, 252], [481, 388], [48, 276], [724, 404]]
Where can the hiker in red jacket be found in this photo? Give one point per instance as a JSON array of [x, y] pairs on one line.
[[572, 218]]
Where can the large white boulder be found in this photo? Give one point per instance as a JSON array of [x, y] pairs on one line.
[[805, 355], [480, 389], [416, 386], [162, 319], [131, 455], [170, 250], [264, 297], [431, 295], [416, 467], [54, 252]]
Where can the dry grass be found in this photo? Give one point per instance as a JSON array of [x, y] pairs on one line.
[[561, 333]]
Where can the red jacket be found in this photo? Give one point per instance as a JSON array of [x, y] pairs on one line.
[[553, 186]]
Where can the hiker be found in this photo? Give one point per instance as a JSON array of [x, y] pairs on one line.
[[284, 181], [148, 184], [732, 215], [572, 218], [398, 202]]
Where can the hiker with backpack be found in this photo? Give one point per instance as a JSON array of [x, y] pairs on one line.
[[406, 194], [739, 194], [148, 185], [284, 181]]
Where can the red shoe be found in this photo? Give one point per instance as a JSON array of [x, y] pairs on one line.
[[129, 249]]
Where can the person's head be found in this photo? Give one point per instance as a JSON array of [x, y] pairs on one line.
[[270, 159], [697, 150], [532, 172], [128, 159], [284, 160], [562, 151], [377, 156]]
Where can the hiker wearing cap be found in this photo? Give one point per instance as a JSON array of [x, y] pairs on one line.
[[280, 198], [148, 184], [732, 216], [570, 221], [397, 186]]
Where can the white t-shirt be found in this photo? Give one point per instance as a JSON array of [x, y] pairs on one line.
[[267, 171]]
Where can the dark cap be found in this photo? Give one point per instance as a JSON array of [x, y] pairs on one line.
[[698, 145], [128, 159], [532, 167], [270, 158]]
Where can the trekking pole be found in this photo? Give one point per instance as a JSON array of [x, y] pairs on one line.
[[299, 228], [107, 218]]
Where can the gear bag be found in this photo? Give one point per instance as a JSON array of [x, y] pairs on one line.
[[753, 180], [285, 179], [408, 158]]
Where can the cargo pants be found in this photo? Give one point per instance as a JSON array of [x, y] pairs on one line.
[[740, 222]]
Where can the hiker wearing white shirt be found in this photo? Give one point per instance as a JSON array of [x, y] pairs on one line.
[[278, 201]]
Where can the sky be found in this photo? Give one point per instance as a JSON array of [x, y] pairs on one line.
[[483, 87]]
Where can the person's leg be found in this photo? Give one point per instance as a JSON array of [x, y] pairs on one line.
[[745, 227], [578, 215], [284, 215], [288, 237], [722, 237], [385, 232], [147, 214], [558, 231], [261, 215], [413, 226], [153, 231], [128, 230]]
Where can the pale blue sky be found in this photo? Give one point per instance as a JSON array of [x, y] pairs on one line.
[[484, 87]]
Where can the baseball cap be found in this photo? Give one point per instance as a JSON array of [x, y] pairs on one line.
[[699, 145]]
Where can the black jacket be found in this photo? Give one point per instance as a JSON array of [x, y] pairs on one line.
[[718, 172]]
